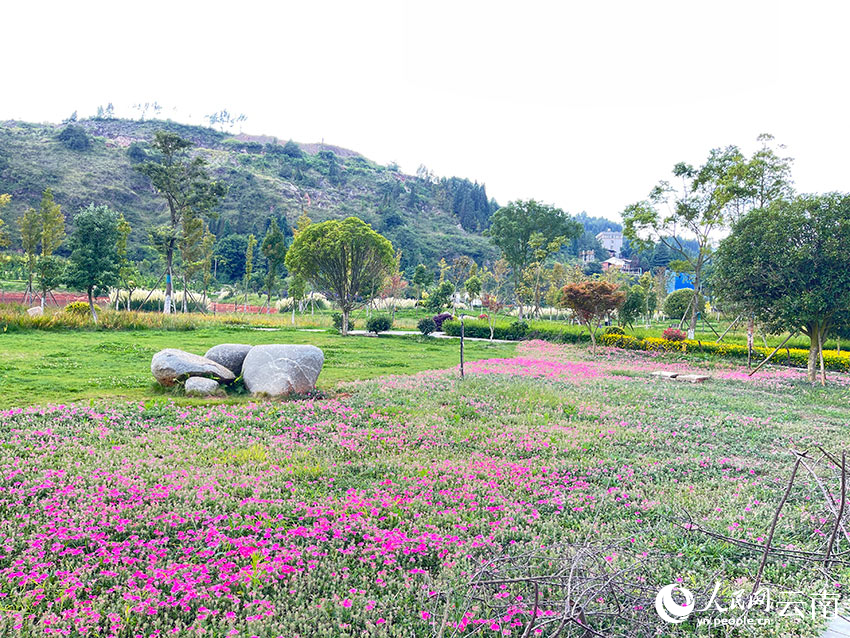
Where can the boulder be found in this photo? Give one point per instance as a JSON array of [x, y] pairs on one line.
[[276, 370], [171, 365], [230, 355], [35, 311], [201, 386]]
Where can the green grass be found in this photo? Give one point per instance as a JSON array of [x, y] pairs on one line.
[[64, 366]]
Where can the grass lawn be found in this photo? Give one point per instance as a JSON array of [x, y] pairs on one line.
[[369, 513], [64, 366]]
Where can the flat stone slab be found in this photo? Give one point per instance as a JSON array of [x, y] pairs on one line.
[[665, 374], [230, 355], [35, 311], [201, 386], [170, 366], [277, 369], [693, 378]]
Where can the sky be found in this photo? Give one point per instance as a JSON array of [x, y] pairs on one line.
[[583, 105]]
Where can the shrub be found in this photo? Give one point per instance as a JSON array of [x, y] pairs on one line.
[[379, 323], [614, 330], [74, 138], [519, 329], [440, 318], [426, 326], [678, 302], [673, 334], [78, 309], [337, 320]]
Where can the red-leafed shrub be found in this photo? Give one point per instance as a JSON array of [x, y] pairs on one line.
[[672, 334]]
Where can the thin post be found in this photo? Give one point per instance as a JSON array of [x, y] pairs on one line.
[[752, 372], [461, 346]]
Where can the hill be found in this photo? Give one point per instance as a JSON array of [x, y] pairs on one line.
[[93, 160]]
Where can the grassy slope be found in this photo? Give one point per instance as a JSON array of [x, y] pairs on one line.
[[32, 159], [65, 366]]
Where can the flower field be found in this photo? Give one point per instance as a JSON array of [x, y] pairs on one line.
[[369, 512]]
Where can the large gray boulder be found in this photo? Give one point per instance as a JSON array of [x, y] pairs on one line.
[[201, 386], [230, 355], [171, 365], [276, 370]]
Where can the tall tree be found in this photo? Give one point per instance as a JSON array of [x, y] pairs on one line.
[[422, 278], [344, 258], [188, 191], [94, 261], [513, 226], [249, 267], [789, 263], [5, 198], [696, 205], [274, 250]]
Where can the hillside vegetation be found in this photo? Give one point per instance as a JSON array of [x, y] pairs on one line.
[[93, 161]]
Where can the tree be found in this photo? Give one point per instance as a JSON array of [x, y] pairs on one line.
[[94, 261], [650, 300], [422, 278], [30, 236], [5, 198], [697, 206], [345, 259], [440, 297], [394, 284], [42, 232], [473, 287], [274, 250], [632, 306], [592, 301], [188, 191], [207, 255], [514, 225], [297, 291], [249, 268], [789, 263]]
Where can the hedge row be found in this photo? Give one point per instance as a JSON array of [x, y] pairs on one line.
[[516, 331], [796, 357], [519, 330]]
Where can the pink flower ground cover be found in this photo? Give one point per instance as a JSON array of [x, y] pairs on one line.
[[349, 516]]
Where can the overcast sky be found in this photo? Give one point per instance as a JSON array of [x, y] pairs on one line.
[[584, 105]]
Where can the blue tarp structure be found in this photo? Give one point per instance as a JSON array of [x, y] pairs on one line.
[[679, 280]]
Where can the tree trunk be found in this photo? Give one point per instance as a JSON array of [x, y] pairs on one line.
[[91, 305], [751, 328], [185, 300], [293, 312], [692, 326], [815, 331], [344, 322], [169, 259]]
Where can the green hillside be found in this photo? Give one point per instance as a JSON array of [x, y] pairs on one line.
[[92, 161]]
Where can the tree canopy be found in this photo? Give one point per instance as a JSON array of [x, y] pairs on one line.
[[345, 259], [789, 264], [94, 263]]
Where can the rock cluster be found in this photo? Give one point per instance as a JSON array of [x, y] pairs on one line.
[[269, 370]]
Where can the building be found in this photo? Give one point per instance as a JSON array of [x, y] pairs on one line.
[[614, 262], [612, 241]]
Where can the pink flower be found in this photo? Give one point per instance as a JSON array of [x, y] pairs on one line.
[[346, 603]]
